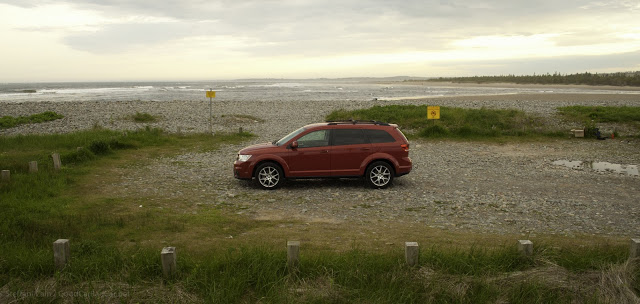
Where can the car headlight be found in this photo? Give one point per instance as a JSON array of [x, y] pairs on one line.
[[243, 157]]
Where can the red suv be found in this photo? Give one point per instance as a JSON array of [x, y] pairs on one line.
[[376, 150]]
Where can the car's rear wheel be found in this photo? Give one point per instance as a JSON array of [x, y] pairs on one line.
[[379, 174], [269, 176]]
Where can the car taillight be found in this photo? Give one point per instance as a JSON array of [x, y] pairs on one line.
[[405, 147]]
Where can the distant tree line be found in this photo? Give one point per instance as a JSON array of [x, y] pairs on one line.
[[613, 79]]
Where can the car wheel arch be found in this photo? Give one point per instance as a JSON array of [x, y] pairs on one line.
[[285, 170], [379, 157], [388, 161]]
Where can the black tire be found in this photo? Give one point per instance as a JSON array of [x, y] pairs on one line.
[[379, 175], [269, 176]]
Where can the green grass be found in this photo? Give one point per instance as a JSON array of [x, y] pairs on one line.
[[601, 114], [10, 121], [456, 123], [144, 117], [243, 117], [591, 116], [115, 245]]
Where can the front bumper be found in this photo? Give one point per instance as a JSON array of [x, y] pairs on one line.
[[242, 170]]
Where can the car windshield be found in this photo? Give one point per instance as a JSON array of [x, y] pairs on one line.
[[288, 137]]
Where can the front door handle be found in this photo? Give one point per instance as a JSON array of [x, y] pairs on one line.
[[366, 149], [324, 151]]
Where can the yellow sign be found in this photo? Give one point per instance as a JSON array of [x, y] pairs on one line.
[[211, 94], [433, 112]]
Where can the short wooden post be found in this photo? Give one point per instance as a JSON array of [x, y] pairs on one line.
[[61, 253], [293, 254], [33, 167], [169, 265], [57, 164], [525, 247], [6, 175], [412, 253], [240, 130], [634, 251]]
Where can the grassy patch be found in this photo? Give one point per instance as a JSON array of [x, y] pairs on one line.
[[600, 114], [242, 117], [591, 116], [10, 121], [144, 117], [454, 122]]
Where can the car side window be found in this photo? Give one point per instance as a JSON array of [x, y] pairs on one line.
[[379, 136], [314, 139], [348, 137]]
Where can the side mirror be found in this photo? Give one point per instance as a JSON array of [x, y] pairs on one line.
[[294, 145]]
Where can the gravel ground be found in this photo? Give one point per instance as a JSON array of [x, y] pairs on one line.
[[480, 187]]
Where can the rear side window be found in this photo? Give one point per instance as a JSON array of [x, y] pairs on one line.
[[348, 137], [379, 136]]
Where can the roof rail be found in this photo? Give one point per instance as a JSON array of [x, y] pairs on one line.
[[353, 122]]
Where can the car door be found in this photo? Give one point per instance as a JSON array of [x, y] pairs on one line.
[[312, 157], [350, 147]]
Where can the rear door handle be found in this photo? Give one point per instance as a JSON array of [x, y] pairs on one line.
[[366, 149], [324, 151]]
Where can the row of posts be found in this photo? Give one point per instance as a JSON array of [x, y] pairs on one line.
[[33, 167], [62, 254]]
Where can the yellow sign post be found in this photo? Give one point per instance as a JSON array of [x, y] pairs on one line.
[[433, 112], [211, 95]]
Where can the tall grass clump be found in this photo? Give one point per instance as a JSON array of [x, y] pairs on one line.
[[10, 121], [144, 117], [453, 122]]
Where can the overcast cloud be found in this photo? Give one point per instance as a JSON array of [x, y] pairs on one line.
[[97, 39]]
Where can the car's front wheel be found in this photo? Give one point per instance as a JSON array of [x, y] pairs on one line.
[[269, 176], [379, 174]]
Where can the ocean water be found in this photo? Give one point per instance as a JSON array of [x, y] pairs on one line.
[[256, 90]]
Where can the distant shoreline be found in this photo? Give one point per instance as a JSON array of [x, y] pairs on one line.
[[509, 85]]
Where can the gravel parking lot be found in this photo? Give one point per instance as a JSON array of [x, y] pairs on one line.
[[463, 186]]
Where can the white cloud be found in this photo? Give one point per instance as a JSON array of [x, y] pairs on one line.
[[323, 38]]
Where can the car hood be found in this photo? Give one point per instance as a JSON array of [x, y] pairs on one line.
[[256, 147]]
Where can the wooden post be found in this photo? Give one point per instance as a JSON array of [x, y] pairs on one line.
[[240, 130], [33, 167], [525, 247], [6, 175], [169, 266], [412, 253], [293, 254], [57, 164], [634, 251], [61, 253]]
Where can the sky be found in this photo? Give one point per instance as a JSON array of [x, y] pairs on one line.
[[175, 40]]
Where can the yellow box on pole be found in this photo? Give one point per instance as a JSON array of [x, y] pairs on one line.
[[433, 112], [211, 94]]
